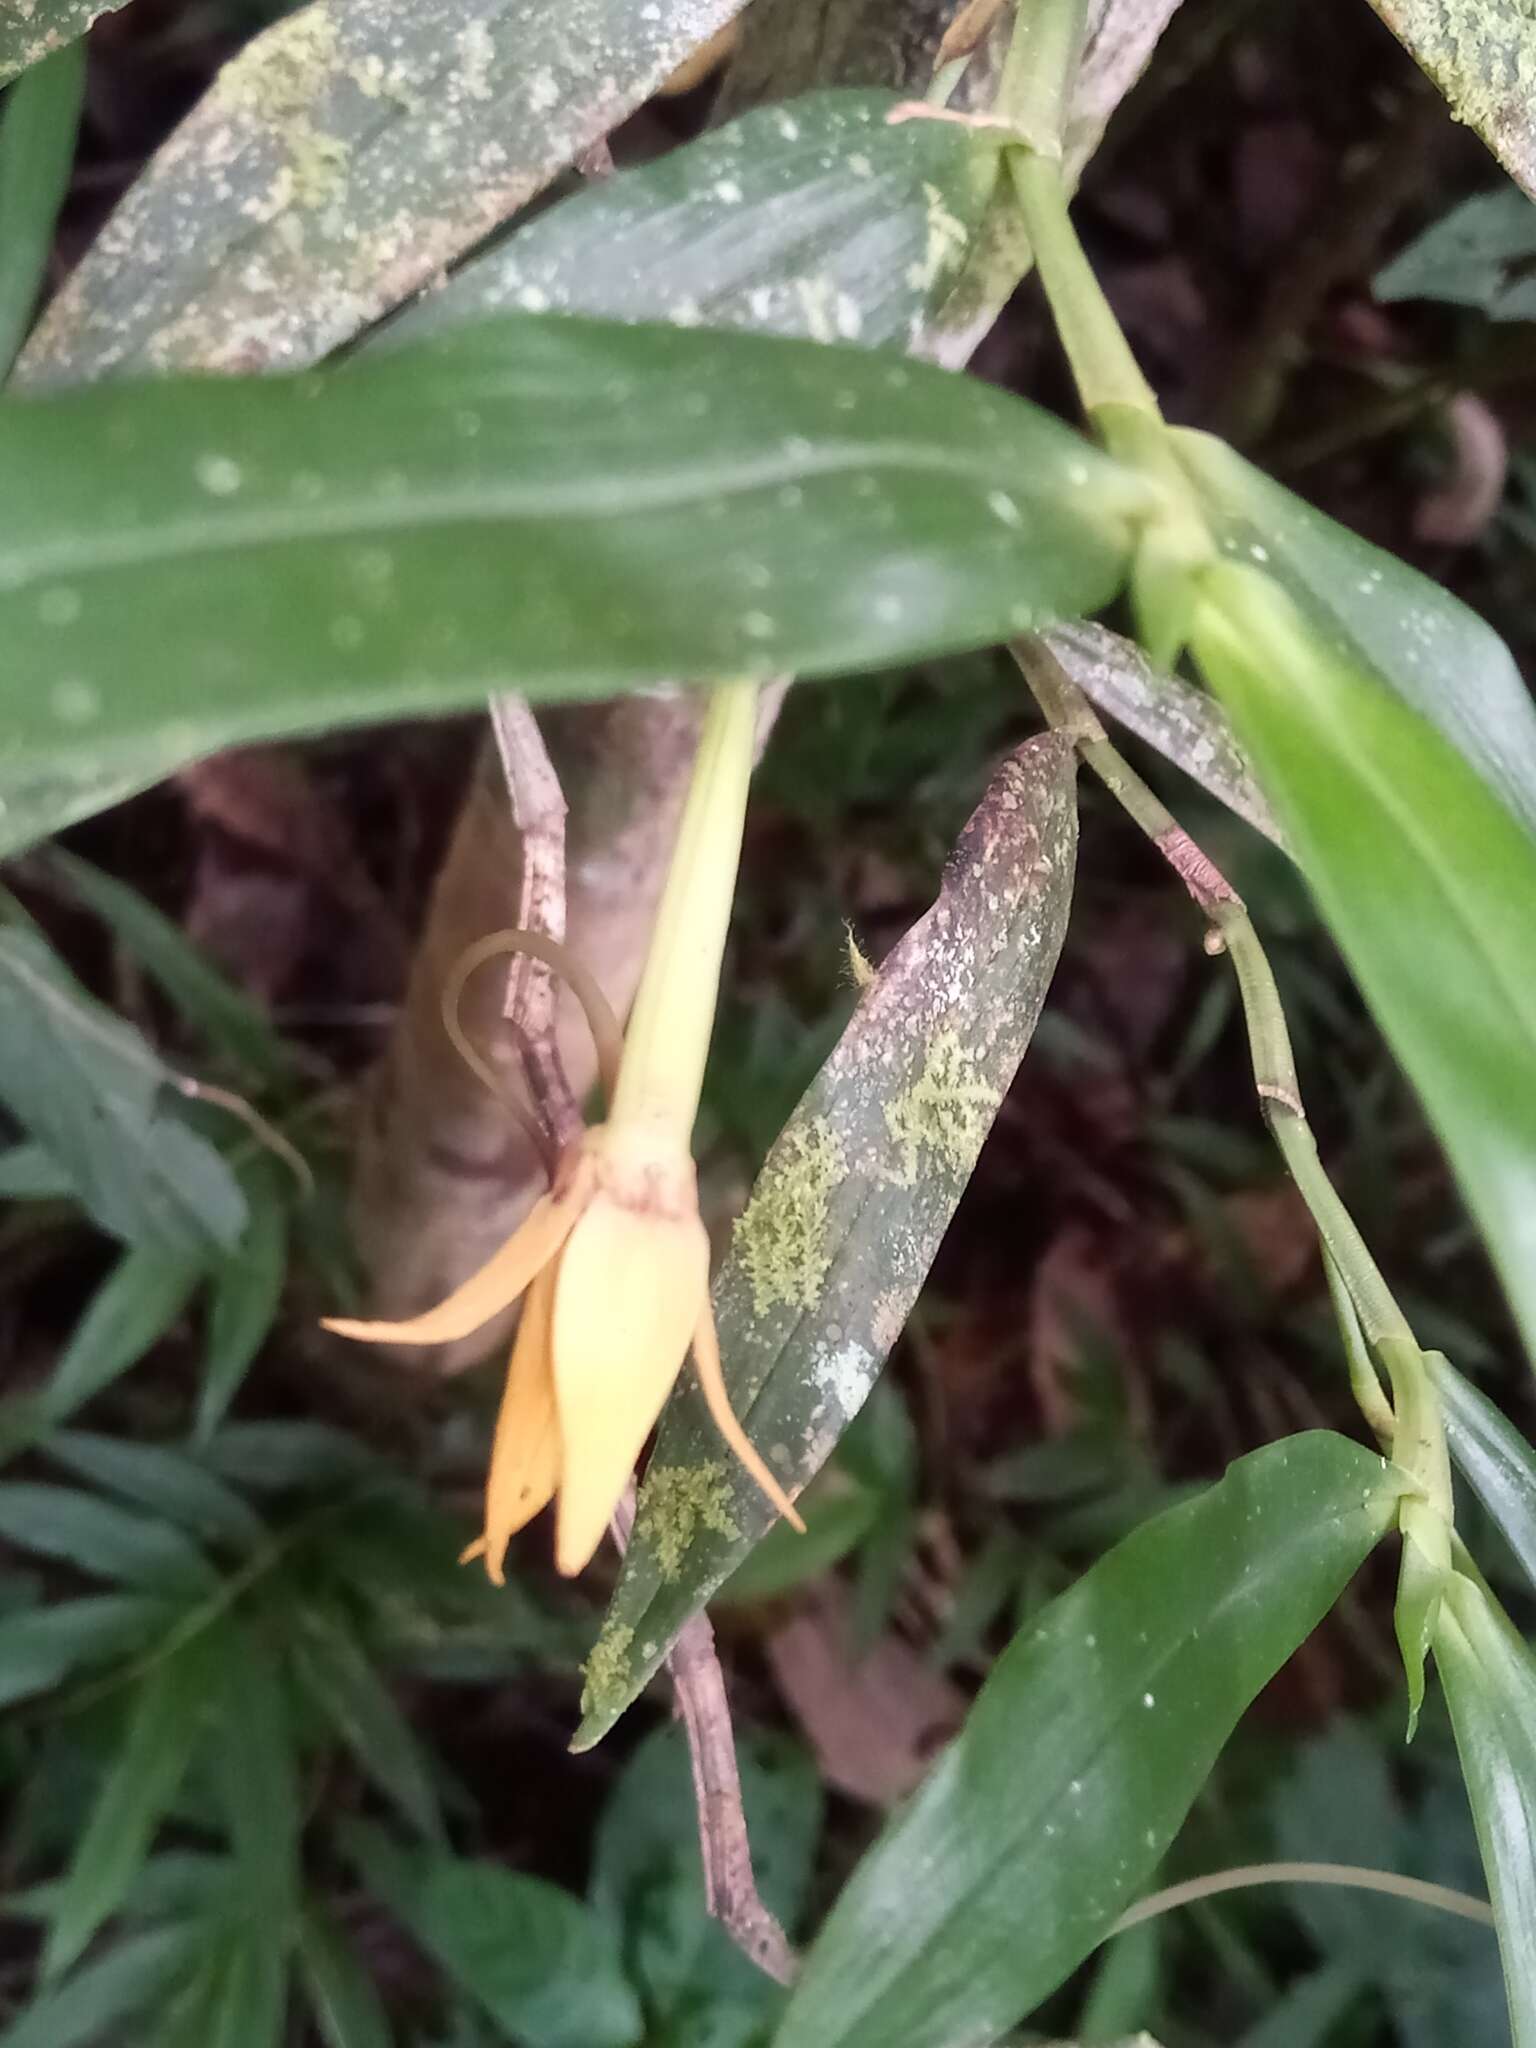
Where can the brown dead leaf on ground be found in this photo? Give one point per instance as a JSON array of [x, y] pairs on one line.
[[874, 1722]]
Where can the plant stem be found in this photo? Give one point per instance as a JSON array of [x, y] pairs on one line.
[[1103, 367], [667, 1042], [1384, 1326], [1040, 71]]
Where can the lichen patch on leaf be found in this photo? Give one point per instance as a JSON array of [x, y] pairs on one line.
[[781, 1239], [606, 1673], [678, 1501], [1482, 55], [949, 1109]]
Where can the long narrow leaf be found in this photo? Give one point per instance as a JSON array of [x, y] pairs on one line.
[[141, 1782], [42, 1646], [29, 34], [101, 1538], [1489, 1677], [544, 1966], [1426, 879], [1082, 1754], [89, 2005], [224, 1016], [346, 2004], [1481, 54], [584, 505], [850, 1207], [1493, 1457], [341, 161], [336, 1672], [165, 1482], [37, 147], [90, 1088], [821, 218], [1380, 617]]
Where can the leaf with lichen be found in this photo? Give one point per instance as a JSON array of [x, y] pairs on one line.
[[819, 218], [340, 162], [30, 30], [1482, 55], [850, 1207]]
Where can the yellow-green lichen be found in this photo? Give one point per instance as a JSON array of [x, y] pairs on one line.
[[279, 76], [1482, 55], [949, 1109], [606, 1672], [279, 83], [781, 1239], [676, 1502], [944, 245]]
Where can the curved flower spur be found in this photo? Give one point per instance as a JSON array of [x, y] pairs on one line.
[[614, 1261]]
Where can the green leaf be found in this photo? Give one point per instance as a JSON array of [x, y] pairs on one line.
[[1374, 614], [256, 1773], [166, 1482], [1478, 254], [93, 1092], [97, 1537], [337, 1673], [850, 1207], [221, 1014], [140, 1300], [541, 1964], [1168, 713], [1082, 1754], [1492, 1456], [238, 1998], [29, 1174], [49, 795], [1489, 1677], [1308, 2011], [247, 1293], [348, 2010], [141, 1781], [1428, 883], [1482, 55], [41, 1647], [648, 1879], [527, 495], [1125, 1986], [816, 218], [289, 1457], [341, 161], [91, 2005], [37, 148]]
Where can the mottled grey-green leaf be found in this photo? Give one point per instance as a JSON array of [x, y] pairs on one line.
[[30, 29], [818, 218], [850, 1206], [342, 160], [1180, 721], [1482, 56]]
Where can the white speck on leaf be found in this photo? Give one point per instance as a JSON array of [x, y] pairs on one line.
[[220, 475]]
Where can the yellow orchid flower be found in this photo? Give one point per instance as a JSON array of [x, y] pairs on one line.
[[613, 1263]]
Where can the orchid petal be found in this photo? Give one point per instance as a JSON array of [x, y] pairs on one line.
[[525, 1458], [706, 1359], [503, 1277], [627, 1298]]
